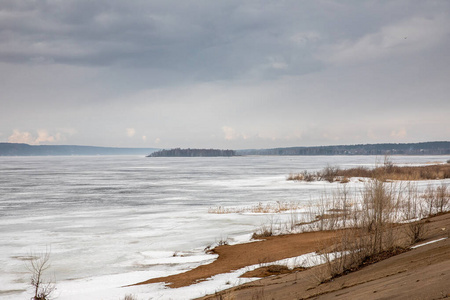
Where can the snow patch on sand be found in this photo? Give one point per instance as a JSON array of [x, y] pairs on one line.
[[431, 242]]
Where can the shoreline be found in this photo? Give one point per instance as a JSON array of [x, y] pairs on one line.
[[234, 257], [301, 282]]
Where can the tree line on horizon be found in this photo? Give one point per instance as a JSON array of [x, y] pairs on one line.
[[426, 148]]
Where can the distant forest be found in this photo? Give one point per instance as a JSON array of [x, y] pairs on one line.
[[16, 149], [427, 148], [192, 153]]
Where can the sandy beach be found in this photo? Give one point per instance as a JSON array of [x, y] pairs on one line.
[[420, 273]]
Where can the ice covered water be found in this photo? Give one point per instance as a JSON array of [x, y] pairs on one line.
[[110, 221]]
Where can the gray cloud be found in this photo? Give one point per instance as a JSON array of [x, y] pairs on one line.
[[199, 39], [225, 73]]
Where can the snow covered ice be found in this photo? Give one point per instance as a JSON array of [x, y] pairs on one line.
[[111, 221]]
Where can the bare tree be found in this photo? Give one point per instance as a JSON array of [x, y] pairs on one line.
[[442, 197], [42, 288]]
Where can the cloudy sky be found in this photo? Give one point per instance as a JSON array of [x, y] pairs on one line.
[[224, 74]]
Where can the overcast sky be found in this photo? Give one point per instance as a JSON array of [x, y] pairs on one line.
[[224, 74]]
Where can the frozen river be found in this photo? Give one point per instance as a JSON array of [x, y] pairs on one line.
[[109, 221]]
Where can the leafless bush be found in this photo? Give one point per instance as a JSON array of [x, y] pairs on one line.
[[262, 232], [129, 297], [322, 216], [442, 198], [342, 203], [352, 247], [42, 287], [437, 199], [415, 231], [430, 201], [329, 173], [265, 230], [372, 226], [222, 242], [412, 207], [376, 205]]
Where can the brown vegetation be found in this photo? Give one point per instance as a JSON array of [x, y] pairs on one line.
[[271, 207], [42, 288], [372, 230], [387, 171], [372, 223], [421, 273], [351, 231]]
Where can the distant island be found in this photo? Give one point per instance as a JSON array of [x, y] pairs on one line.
[[192, 153]]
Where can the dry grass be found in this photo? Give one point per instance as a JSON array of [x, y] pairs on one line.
[[368, 224], [271, 207], [433, 172], [387, 171], [374, 231]]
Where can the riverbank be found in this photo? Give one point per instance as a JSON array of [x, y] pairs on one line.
[[421, 273]]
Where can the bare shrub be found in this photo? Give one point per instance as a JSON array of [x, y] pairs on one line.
[[412, 209], [329, 173], [42, 287], [412, 206], [262, 232], [348, 249], [376, 206], [322, 216], [388, 165], [320, 274], [342, 203], [265, 230], [129, 297], [442, 198], [430, 200], [415, 231], [222, 242], [372, 228]]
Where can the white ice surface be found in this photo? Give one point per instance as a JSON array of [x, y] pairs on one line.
[[112, 221], [107, 287]]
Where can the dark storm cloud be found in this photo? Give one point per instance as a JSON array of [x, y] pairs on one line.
[[224, 73], [200, 39]]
